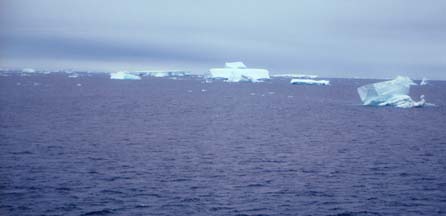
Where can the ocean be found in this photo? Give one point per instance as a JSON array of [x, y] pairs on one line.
[[158, 146]]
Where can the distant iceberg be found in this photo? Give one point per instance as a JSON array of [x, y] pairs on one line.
[[309, 82], [124, 76], [390, 93], [235, 65], [238, 72], [163, 73], [301, 76], [28, 70], [73, 75]]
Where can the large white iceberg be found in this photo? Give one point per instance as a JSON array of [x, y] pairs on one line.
[[403, 101], [238, 72], [309, 82], [390, 93], [124, 76]]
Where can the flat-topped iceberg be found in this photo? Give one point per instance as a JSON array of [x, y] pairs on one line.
[[235, 65], [300, 76], [29, 70], [163, 73], [238, 72], [390, 93], [309, 82], [73, 75], [124, 76]]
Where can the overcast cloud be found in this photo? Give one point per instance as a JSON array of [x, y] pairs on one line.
[[338, 38]]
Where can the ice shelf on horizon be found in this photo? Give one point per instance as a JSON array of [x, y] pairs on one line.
[[302, 76], [238, 72], [309, 82], [390, 93], [124, 76]]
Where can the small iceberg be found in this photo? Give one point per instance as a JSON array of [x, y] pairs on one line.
[[309, 82], [390, 93], [238, 72], [299, 76], [163, 73], [124, 76], [424, 82], [28, 70], [73, 75]]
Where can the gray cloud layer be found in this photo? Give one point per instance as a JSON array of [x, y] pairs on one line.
[[332, 38]]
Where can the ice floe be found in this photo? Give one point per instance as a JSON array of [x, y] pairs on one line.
[[124, 76], [390, 93], [309, 82], [238, 72]]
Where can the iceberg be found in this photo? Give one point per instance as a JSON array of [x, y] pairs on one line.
[[403, 101], [309, 82], [390, 93], [73, 75], [238, 72], [124, 76], [28, 70], [162, 73], [301, 76], [235, 65]]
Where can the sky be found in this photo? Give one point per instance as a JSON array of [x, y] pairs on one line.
[[336, 38]]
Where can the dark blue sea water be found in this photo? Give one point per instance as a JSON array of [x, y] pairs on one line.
[[183, 147]]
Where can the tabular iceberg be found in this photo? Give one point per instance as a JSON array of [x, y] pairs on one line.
[[235, 65], [73, 75], [238, 72], [301, 76], [124, 76], [390, 93], [163, 73], [29, 70], [309, 82]]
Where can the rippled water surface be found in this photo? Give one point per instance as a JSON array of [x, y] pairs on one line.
[[94, 146]]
